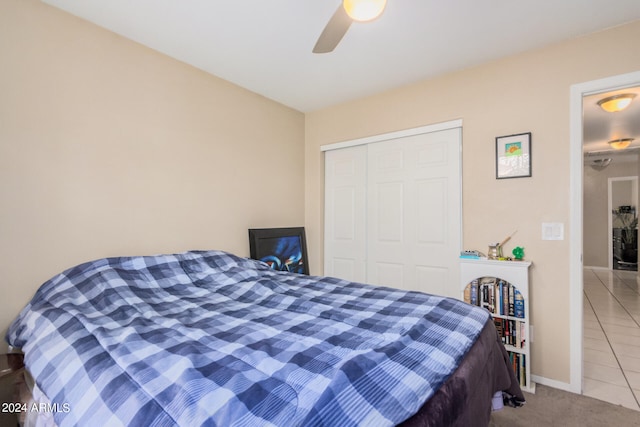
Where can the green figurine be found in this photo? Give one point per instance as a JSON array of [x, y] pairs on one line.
[[518, 252]]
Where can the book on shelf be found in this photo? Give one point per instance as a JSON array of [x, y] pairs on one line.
[[518, 304], [503, 295], [487, 300], [499, 324], [511, 311], [523, 370], [519, 365], [507, 332], [474, 292]]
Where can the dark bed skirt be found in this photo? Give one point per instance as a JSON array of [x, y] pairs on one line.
[[465, 398]]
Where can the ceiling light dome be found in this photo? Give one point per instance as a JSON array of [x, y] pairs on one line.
[[615, 103], [620, 144], [364, 10]]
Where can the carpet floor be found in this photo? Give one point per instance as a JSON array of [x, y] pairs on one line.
[[553, 407]]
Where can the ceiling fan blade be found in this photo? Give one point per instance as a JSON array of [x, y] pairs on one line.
[[333, 32]]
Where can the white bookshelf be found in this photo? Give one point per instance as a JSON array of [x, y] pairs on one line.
[[515, 273]]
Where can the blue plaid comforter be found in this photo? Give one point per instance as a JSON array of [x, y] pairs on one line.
[[208, 338]]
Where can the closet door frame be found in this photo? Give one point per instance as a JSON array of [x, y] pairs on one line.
[[451, 124]]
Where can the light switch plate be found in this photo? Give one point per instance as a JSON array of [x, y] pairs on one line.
[[552, 231]]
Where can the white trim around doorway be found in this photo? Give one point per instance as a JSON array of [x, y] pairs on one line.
[[577, 92]]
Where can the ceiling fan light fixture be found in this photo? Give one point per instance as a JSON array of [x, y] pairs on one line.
[[620, 144], [600, 164], [364, 10], [615, 103]]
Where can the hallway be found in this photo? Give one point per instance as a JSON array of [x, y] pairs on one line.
[[612, 336]]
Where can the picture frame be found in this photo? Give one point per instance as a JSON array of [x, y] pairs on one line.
[[513, 156], [283, 249]]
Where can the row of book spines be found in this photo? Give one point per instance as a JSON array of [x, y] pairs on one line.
[[519, 365], [512, 332], [496, 295]]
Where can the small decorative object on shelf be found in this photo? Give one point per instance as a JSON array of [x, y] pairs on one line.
[[502, 288], [518, 253], [472, 254], [495, 250]]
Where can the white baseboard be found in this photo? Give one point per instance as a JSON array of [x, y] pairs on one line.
[[554, 383], [591, 267]]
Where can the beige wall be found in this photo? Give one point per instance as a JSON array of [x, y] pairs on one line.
[[109, 148], [596, 212], [522, 93]]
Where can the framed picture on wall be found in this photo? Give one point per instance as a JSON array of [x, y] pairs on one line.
[[513, 156], [283, 249]]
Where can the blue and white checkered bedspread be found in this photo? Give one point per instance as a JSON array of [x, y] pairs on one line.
[[208, 338]]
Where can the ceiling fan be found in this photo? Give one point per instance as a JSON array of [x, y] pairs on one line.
[[347, 12]]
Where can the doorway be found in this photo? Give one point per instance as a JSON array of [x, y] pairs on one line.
[[576, 276]]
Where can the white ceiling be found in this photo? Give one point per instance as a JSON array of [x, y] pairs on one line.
[[265, 45]]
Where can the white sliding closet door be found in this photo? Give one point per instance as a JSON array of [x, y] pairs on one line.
[[393, 212], [414, 213]]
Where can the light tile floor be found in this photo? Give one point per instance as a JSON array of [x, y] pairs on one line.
[[612, 336]]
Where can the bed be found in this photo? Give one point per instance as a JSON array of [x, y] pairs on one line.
[[210, 338]]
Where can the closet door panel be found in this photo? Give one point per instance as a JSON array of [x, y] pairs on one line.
[[432, 211], [389, 213], [414, 212], [345, 213], [388, 274]]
